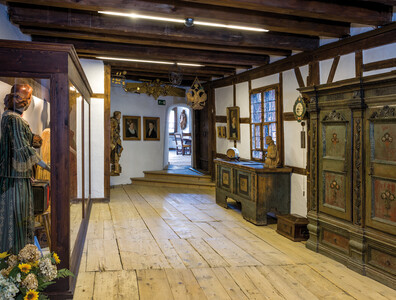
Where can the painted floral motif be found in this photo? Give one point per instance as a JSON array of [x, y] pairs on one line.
[[334, 139], [388, 197], [387, 139]]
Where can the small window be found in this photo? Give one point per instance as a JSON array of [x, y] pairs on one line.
[[263, 119]]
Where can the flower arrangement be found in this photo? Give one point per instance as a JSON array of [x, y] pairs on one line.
[[26, 275]]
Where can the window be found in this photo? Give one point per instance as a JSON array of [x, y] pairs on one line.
[[264, 119]]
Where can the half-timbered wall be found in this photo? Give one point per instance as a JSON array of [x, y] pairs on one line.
[[294, 155]]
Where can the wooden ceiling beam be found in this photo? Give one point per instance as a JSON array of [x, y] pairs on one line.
[[161, 53], [209, 13], [157, 68], [97, 23], [165, 76], [361, 12], [48, 32]]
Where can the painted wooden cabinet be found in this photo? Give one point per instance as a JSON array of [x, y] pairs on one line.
[[260, 190], [352, 190]]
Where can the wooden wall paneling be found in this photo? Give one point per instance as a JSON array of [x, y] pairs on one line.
[[333, 69], [359, 63], [212, 131], [289, 116], [221, 119], [234, 104], [299, 77], [107, 102]]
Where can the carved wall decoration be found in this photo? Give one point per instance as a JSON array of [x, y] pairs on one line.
[[357, 172], [196, 96], [313, 165], [334, 117], [385, 112], [156, 88]]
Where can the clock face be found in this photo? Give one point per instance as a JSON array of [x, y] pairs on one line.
[[299, 109]]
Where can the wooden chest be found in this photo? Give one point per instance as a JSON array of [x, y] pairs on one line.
[[293, 226]]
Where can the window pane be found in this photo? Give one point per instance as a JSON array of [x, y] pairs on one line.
[[257, 154], [258, 137], [256, 98], [253, 139], [265, 133], [272, 131]]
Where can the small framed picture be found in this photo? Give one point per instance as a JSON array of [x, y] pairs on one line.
[[233, 128], [219, 135], [131, 128], [151, 128], [223, 131]]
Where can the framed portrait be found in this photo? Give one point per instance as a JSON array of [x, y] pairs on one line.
[[151, 128], [233, 126], [131, 128], [223, 131], [219, 132]]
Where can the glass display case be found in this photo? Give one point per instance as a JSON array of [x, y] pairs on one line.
[[57, 127]]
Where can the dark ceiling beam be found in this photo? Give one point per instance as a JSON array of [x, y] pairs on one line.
[[369, 13], [385, 2], [237, 16], [48, 32], [157, 68], [161, 53], [93, 22], [164, 76]]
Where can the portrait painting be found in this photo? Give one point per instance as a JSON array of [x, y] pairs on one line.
[[151, 128], [233, 126], [131, 128]]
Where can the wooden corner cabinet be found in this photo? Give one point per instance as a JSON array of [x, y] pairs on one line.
[[352, 198], [260, 190], [60, 111]]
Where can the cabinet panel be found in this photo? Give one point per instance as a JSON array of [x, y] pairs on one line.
[[244, 184], [334, 167], [381, 169]]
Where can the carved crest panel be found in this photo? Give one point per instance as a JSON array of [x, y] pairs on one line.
[[384, 200], [334, 191], [383, 141]]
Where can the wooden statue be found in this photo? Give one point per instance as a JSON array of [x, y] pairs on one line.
[[183, 120], [115, 144], [272, 157], [17, 158]]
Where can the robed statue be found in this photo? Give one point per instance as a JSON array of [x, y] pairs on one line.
[[115, 144]]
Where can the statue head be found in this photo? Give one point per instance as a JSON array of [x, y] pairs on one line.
[[117, 115], [19, 98], [268, 140]]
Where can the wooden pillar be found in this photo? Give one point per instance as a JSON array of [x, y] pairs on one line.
[[107, 101]]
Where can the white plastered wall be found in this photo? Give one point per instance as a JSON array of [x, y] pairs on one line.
[[94, 70], [141, 155], [9, 31]]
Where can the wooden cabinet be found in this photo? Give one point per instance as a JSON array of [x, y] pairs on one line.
[[352, 198], [260, 190]]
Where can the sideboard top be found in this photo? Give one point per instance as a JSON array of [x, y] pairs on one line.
[[252, 166]]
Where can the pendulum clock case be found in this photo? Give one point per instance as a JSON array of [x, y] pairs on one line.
[[61, 102], [352, 173]]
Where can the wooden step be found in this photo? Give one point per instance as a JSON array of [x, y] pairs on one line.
[[161, 175], [171, 182]]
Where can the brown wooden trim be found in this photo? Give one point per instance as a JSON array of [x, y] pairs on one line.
[[83, 157], [299, 77], [107, 90], [221, 119], [289, 116], [211, 131], [225, 157], [333, 69], [100, 96], [279, 119], [377, 65], [358, 63], [100, 200], [264, 88], [297, 170], [374, 38], [244, 120], [313, 73]]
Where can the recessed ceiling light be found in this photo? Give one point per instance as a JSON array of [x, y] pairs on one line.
[[173, 20], [149, 61]]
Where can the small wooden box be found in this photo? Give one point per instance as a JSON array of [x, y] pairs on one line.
[[293, 226]]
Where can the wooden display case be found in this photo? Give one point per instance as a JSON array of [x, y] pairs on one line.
[[56, 68], [351, 203], [260, 190]]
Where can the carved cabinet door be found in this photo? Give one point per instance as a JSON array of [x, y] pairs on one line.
[[381, 168], [335, 163]]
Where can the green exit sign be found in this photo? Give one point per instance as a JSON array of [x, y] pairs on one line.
[[161, 102]]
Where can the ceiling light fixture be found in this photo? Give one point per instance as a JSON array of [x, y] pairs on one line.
[[149, 61], [190, 21]]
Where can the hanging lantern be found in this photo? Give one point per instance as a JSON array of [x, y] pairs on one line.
[[118, 79], [196, 96]]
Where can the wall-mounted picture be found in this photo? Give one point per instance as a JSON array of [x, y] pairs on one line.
[[151, 128], [131, 128], [233, 128], [221, 131]]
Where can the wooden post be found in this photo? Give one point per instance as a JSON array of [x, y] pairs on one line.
[[107, 101]]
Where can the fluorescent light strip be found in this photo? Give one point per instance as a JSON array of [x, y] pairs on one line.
[[181, 21], [149, 61]]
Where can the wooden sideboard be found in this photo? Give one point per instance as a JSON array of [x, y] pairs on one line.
[[260, 190]]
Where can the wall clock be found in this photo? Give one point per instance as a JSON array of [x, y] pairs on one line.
[[299, 109]]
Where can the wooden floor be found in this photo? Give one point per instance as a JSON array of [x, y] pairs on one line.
[[171, 243]]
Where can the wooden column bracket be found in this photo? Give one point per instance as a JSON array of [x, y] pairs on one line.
[[333, 69]]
